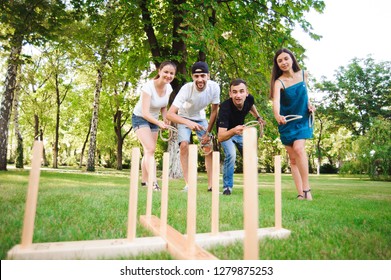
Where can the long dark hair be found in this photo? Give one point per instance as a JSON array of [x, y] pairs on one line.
[[276, 72], [161, 66]]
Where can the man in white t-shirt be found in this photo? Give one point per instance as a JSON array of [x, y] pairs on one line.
[[188, 110]]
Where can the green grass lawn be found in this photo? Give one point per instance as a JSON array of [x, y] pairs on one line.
[[349, 218]]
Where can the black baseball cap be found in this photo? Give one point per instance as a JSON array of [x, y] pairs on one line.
[[200, 67]]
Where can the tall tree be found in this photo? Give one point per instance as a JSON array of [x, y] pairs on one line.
[[110, 23], [61, 86], [8, 96]]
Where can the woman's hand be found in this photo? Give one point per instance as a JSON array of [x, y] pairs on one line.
[[281, 119], [311, 108], [162, 124]]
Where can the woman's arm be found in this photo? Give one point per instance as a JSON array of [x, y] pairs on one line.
[[276, 103]]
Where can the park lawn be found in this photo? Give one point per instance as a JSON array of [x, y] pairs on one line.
[[349, 218]]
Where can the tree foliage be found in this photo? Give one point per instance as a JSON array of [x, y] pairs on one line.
[[360, 93]]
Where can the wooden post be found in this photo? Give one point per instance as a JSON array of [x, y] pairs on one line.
[[277, 192], [192, 199], [151, 178], [133, 194], [164, 199], [250, 201], [32, 195], [215, 192]]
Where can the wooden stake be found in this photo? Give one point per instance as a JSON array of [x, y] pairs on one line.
[[250, 201], [32, 196], [192, 199], [164, 199], [277, 192], [133, 194], [215, 192], [151, 178]]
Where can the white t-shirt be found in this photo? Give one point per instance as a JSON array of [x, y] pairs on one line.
[[192, 103], [157, 102]]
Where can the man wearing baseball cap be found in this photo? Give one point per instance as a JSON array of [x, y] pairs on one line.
[[188, 110]]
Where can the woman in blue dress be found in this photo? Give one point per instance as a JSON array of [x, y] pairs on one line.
[[290, 97]]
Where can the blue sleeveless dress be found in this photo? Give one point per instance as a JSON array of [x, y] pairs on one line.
[[294, 101]]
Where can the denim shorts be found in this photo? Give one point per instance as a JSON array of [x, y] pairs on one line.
[[139, 122], [184, 132]]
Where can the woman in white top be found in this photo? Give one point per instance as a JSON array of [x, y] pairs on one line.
[[145, 119]]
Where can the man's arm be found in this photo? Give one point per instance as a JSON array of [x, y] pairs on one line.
[[172, 115], [258, 117], [224, 134]]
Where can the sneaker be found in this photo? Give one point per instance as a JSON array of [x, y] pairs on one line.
[[185, 188], [156, 187], [227, 191]]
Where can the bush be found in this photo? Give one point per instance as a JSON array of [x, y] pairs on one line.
[[353, 167], [373, 150], [328, 168]]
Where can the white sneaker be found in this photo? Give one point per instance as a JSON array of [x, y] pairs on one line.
[[185, 189]]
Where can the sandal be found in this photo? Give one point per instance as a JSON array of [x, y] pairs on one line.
[[300, 197], [156, 187], [306, 193]]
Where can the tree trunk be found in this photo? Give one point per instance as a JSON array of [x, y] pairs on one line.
[[45, 160], [36, 127], [7, 99], [148, 29], [117, 129], [84, 146], [175, 163], [318, 148], [59, 100], [94, 123], [118, 124], [56, 133], [18, 135]]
